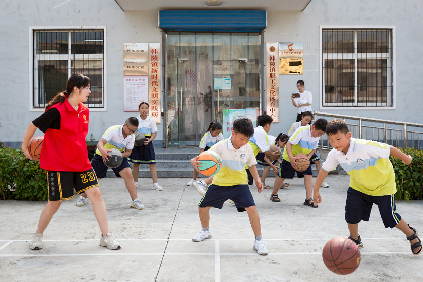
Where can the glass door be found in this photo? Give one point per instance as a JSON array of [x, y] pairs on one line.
[[207, 76]]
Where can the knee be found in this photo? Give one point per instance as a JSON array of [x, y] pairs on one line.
[[126, 173], [93, 193]]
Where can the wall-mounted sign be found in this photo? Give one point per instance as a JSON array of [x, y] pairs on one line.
[[272, 80], [291, 58], [222, 83], [230, 115], [142, 77]]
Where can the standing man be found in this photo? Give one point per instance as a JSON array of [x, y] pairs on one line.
[[302, 100]]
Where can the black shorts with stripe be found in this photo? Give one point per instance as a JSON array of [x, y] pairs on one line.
[[61, 184]]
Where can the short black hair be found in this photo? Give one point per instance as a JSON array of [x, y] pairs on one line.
[[301, 82], [264, 119], [243, 126], [320, 124], [132, 121], [337, 125], [307, 114]]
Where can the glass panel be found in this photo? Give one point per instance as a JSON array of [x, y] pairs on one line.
[[51, 42], [87, 42], [373, 41], [52, 78], [339, 81], [372, 81], [193, 61], [94, 70], [338, 41]]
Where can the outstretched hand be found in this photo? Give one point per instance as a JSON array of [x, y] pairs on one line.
[[317, 198]]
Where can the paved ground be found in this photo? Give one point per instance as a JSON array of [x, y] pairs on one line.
[[156, 242]]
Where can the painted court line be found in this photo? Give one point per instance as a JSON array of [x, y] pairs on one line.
[[217, 261], [5, 245]]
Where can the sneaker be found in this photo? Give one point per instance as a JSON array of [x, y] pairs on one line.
[[324, 185], [260, 247], [201, 236], [201, 187], [357, 242], [36, 242], [157, 187], [189, 183], [230, 202], [137, 184], [109, 242], [82, 201], [137, 204]]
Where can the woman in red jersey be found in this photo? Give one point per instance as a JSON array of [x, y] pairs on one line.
[[64, 156]]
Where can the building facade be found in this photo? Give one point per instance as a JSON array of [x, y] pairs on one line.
[[197, 63]]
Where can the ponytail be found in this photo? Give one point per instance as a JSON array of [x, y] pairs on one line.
[[59, 98], [214, 126], [281, 137]]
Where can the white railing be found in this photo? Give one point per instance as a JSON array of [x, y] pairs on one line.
[[395, 133]]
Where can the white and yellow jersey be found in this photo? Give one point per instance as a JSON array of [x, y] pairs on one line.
[[234, 161], [367, 162], [302, 142], [115, 139]]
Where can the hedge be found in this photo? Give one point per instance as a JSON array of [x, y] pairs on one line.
[[409, 179], [21, 178]]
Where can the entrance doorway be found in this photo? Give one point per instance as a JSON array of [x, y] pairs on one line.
[[207, 76]]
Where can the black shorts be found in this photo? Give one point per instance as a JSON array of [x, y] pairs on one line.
[[359, 206], [217, 195], [288, 172], [62, 183], [314, 158], [260, 160], [143, 154], [101, 169]]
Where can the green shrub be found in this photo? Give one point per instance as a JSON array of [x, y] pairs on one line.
[[409, 179], [20, 178]]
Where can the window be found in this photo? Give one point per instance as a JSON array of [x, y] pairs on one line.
[[60, 53], [357, 67]]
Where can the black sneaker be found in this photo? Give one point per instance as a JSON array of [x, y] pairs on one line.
[[357, 242]]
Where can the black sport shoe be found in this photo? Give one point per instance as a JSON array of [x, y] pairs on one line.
[[357, 242]]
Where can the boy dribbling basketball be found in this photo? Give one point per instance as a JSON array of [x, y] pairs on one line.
[[231, 182], [372, 180]]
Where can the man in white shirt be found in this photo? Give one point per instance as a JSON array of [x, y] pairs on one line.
[[302, 100]]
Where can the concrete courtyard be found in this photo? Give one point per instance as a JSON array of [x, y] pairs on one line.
[[156, 242]]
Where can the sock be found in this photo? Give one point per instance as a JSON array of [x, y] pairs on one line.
[[205, 229], [259, 238], [156, 183]]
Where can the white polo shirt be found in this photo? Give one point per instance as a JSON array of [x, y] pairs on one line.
[[294, 127], [208, 140], [147, 126], [302, 142], [367, 162], [234, 161], [259, 140], [304, 98], [114, 137]]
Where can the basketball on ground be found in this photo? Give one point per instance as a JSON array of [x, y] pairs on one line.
[[209, 163], [116, 158], [34, 147], [341, 255]]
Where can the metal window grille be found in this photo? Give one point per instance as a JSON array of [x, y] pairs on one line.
[[357, 68], [57, 54]]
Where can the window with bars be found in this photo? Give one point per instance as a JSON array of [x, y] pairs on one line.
[[57, 54], [357, 68]]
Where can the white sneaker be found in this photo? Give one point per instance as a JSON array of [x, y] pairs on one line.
[[201, 236], [260, 247], [36, 242], [324, 184], [201, 187], [157, 187], [109, 242], [82, 201], [137, 204], [189, 183], [230, 202]]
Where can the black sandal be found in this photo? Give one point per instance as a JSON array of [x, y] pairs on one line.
[[417, 244], [274, 198], [310, 203]]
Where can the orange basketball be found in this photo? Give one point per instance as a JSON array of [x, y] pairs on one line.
[[209, 163], [34, 147], [341, 256]]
